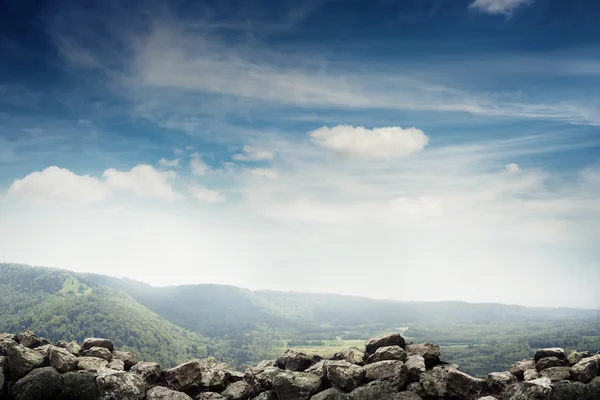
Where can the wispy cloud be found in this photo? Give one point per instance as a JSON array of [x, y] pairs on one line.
[[253, 154], [504, 7]]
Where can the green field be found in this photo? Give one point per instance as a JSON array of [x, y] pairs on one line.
[[73, 287]]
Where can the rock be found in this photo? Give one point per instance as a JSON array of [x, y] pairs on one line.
[[549, 362], [29, 339], [376, 390], [353, 355], [2, 378], [499, 381], [21, 360], [44, 350], [568, 390], [264, 380], [556, 374], [98, 352], [185, 377], [415, 366], [576, 356], [550, 352], [129, 358], [462, 385], [586, 369], [391, 371], [387, 353], [239, 390], [163, 393], [120, 385], [62, 360], [488, 398], [344, 375], [98, 342], [330, 394], [77, 385], [93, 364], [294, 361], [296, 385], [429, 351], [319, 368], [531, 374], [250, 372], [7, 336], [74, 348], [537, 389], [150, 372], [433, 382], [270, 395], [209, 396], [116, 364], [407, 396], [394, 339], [519, 368], [39, 384]]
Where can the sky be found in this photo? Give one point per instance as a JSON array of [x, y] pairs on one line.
[[422, 150]]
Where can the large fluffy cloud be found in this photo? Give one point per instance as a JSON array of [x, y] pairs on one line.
[[377, 143], [144, 181]]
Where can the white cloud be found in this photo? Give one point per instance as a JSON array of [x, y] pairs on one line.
[[512, 168], [59, 185], [264, 172], [377, 143], [205, 195], [253, 154], [505, 7], [163, 162], [144, 181], [197, 164]]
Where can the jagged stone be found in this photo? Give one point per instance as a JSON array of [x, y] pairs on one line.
[[185, 377], [129, 358], [268, 395], [98, 342], [116, 364], [3, 363], [209, 396], [569, 390], [330, 394], [21, 360], [7, 336], [462, 385], [29, 339], [319, 368], [163, 393], [239, 390], [93, 364], [519, 368], [77, 385], [296, 385], [549, 362], [62, 360], [394, 339], [353, 355], [344, 375], [557, 352], [429, 351], [488, 398], [433, 382], [376, 390], [294, 361], [415, 366], [531, 374], [44, 350], [499, 381], [387, 353], [251, 372], [39, 384], [390, 371], [74, 348], [264, 380], [98, 352], [120, 385], [150, 372], [586, 369], [576, 356], [556, 374], [537, 389]]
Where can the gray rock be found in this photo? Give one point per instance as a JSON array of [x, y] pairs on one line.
[[269, 395], [129, 358], [391, 371], [576, 356], [568, 390], [549, 362], [98, 342], [586, 369], [518, 369], [201, 374], [330, 394], [319, 368], [499, 381], [150, 372], [239, 390], [353, 355], [264, 380], [120, 385], [394, 339], [209, 396], [185, 377], [462, 385], [556, 374], [98, 352], [296, 385], [116, 364], [429, 351], [62, 360], [74, 348], [376, 390], [488, 398], [77, 385], [344, 375], [21, 360], [537, 389], [294, 361], [557, 352], [388, 353], [433, 382], [415, 366], [531, 374], [251, 371], [163, 393], [29, 339], [44, 350], [39, 384], [93, 364], [7, 336]]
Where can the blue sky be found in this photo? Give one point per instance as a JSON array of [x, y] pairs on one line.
[[246, 142]]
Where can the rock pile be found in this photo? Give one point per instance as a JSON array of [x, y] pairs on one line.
[[32, 368]]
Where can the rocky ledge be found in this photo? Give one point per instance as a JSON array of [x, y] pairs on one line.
[[32, 368]]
